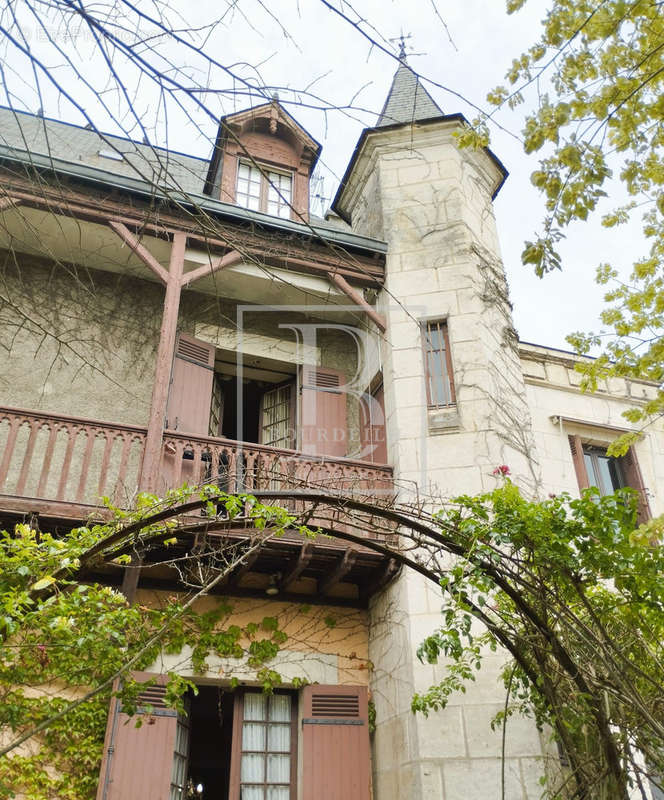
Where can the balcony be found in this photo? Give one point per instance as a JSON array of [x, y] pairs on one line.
[[60, 467]]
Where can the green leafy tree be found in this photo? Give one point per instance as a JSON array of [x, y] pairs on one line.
[[575, 593], [598, 68], [570, 588]]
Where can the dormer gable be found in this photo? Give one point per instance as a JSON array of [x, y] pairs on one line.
[[263, 160]]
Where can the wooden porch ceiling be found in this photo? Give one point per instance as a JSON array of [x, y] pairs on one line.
[[311, 571], [322, 570]]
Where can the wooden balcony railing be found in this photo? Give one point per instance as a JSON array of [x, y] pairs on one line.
[[68, 459], [65, 460]]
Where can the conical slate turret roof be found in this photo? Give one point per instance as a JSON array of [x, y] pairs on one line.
[[408, 100]]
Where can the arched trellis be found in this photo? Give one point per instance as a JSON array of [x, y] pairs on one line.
[[423, 542]]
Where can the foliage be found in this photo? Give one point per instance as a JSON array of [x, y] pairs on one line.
[[603, 66], [62, 638], [576, 593]]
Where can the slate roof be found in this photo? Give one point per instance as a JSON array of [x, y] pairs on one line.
[[114, 154], [408, 100], [74, 150]]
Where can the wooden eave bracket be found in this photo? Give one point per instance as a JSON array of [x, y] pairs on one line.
[[339, 572], [140, 250], [9, 202], [301, 563], [390, 569], [356, 297], [229, 260]]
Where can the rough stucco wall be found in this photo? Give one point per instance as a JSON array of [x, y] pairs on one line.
[[444, 263], [315, 650], [107, 327]]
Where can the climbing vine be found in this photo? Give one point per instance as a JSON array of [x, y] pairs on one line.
[[63, 637]]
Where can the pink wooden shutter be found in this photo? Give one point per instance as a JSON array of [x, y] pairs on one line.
[[138, 762], [335, 743], [634, 479], [323, 412], [576, 447], [372, 429], [190, 393]]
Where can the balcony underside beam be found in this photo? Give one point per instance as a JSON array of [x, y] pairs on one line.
[[344, 566]]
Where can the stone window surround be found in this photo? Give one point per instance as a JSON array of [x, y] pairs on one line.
[[440, 418]]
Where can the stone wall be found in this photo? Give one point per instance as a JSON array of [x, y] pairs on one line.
[[326, 644], [83, 342], [560, 408], [432, 204]]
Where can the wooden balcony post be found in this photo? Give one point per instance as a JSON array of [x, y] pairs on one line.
[[169, 322]]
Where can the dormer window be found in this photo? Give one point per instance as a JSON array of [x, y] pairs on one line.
[[263, 160], [266, 190]]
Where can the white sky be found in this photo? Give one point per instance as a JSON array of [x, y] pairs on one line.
[[322, 47]]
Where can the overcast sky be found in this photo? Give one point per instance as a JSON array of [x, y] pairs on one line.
[[296, 42]]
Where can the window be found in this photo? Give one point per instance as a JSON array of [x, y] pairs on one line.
[[603, 471], [264, 190], [594, 467], [438, 365], [267, 763], [277, 417]]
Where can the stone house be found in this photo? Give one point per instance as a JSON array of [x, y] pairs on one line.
[[201, 324]]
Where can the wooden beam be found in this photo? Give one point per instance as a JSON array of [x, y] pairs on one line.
[[356, 297], [169, 322], [130, 578], [141, 251], [228, 260], [301, 563], [343, 567], [9, 202], [247, 563], [384, 577]]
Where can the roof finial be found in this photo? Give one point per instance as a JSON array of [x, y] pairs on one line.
[[402, 44]]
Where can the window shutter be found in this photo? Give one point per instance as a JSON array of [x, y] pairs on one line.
[[323, 412], [335, 743], [190, 394], [576, 447], [372, 428], [138, 762], [633, 478]]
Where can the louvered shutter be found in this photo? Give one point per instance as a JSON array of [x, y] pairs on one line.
[[138, 763], [335, 743], [323, 412], [633, 478], [576, 447], [190, 394]]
